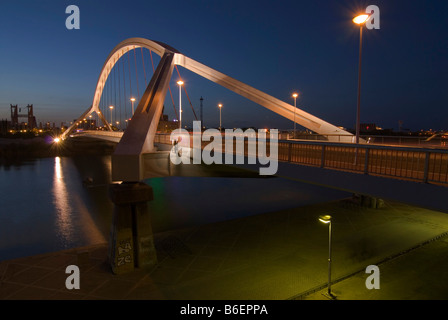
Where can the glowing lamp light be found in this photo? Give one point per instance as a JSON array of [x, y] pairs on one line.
[[362, 18], [56, 140], [325, 219], [180, 82]]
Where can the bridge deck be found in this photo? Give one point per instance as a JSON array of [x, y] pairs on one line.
[[428, 165], [417, 176]]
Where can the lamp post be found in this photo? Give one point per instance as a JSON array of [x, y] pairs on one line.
[[98, 119], [220, 107], [132, 102], [359, 20], [327, 219], [295, 95], [180, 83], [111, 108]]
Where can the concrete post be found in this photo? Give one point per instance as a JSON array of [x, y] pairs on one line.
[[131, 239]]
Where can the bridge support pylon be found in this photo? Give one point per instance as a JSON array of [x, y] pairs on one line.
[[131, 242], [138, 139]]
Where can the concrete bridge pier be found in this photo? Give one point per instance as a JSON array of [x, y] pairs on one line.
[[131, 242]]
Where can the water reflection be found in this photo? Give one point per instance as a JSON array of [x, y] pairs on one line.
[[61, 202], [61, 212]]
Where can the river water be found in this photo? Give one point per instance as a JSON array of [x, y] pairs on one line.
[[46, 204]]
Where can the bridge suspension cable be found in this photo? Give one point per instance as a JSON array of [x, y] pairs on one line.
[[116, 81], [124, 86], [186, 93], [171, 57], [136, 75], [174, 106], [115, 98], [119, 93], [130, 81], [143, 62]]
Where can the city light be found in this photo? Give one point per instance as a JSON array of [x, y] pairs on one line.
[[362, 18], [220, 107], [295, 95], [359, 20], [111, 108], [180, 83], [325, 219], [132, 102], [56, 140]]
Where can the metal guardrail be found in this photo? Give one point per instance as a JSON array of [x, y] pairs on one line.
[[418, 141], [428, 165]]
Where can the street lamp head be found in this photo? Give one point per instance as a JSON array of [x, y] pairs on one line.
[[180, 82], [132, 99], [111, 107], [295, 95], [361, 19], [325, 218], [220, 105]]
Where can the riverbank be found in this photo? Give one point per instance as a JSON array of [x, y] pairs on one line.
[[13, 150], [274, 256]]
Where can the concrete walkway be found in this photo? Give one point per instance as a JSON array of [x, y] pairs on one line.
[[275, 256]]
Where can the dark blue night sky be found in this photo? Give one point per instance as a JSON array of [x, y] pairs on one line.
[[276, 46]]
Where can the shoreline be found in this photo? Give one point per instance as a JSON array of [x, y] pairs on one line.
[[16, 150], [274, 256]]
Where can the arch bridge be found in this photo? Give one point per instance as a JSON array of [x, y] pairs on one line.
[[138, 138]]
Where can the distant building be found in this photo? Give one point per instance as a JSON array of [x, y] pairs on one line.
[[87, 124], [15, 115], [166, 126], [4, 126]]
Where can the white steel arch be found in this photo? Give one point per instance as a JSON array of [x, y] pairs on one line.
[[282, 108]]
